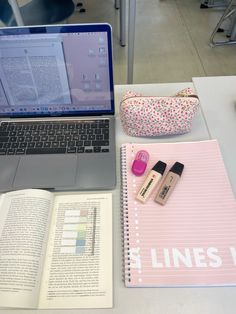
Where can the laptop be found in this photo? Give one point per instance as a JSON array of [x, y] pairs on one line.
[[57, 126]]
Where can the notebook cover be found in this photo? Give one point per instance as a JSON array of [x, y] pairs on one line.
[[190, 241]]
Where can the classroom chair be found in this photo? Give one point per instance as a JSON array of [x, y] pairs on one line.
[[38, 12], [227, 20], [213, 3]]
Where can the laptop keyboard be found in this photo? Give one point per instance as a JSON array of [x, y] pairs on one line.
[[54, 137]]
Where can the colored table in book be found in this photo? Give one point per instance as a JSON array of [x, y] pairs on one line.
[[174, 300]]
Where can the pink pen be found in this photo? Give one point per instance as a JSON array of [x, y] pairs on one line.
[[140, 163]]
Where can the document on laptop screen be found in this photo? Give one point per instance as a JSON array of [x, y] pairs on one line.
[[3, 98], [34, 73], [55, 73]]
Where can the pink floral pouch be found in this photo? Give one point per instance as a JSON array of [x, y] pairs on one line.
[[156, 116]]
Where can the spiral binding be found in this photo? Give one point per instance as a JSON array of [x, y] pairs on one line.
[[125, 216]]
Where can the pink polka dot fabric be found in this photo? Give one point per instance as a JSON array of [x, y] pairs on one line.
[[157, 116]]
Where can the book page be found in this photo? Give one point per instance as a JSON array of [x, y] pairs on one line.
[[24, 223], [78, 266]]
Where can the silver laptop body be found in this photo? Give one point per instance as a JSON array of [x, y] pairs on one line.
[[58, 81]]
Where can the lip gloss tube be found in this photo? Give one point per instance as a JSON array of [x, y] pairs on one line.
[[169, 183], [151, 181]]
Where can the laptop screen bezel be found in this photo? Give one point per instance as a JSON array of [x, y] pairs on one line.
[[67, 28]]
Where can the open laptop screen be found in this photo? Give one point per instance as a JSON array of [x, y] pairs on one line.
[[56, 70]]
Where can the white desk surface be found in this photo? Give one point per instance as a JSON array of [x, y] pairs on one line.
[[218, 100], [220, 300]]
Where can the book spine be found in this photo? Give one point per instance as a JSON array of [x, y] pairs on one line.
[[125, 216]]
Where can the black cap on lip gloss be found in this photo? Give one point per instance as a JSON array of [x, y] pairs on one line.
[[160, 167], [177, 168]]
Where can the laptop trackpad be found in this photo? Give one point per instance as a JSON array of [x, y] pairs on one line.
[[46, 171]]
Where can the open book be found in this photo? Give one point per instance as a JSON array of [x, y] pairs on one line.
[[55, 250]]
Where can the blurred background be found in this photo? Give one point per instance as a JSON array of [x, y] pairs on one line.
[[171, 39]]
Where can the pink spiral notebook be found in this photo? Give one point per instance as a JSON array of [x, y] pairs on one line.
[[190, 241]]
